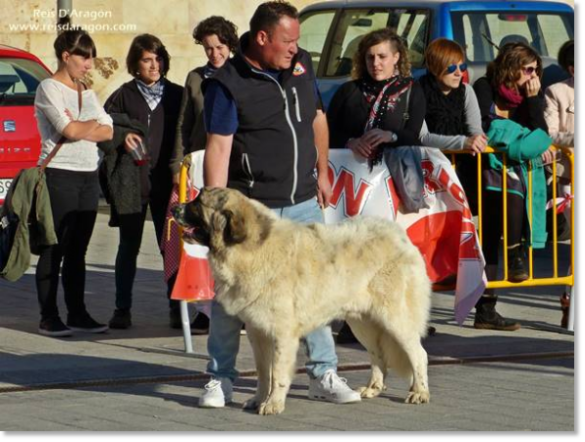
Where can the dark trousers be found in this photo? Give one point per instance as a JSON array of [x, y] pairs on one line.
[[74, 202], [493, 223], [131, 228]]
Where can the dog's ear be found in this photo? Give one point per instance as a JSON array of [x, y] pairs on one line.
[[235, 229]]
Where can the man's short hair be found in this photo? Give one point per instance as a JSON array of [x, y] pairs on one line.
[[268, 14]]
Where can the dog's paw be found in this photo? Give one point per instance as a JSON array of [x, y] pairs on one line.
[[418, 397], [369, 392], [251, 404], [271, 407]]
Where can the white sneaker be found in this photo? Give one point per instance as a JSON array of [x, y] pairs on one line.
[[331, 388], [218, 392]]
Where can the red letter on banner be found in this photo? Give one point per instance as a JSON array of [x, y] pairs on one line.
[[343, 184]]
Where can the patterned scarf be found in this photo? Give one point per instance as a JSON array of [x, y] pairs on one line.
[[153, 94], [382, 96]]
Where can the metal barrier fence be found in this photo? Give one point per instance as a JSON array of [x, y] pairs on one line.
[[533, 280]]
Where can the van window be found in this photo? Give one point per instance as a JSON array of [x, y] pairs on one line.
[[412, 25], [19, 80], [545, 32], [314, 30]]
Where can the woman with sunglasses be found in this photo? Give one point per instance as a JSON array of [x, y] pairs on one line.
[[511, 90], [452, 118]]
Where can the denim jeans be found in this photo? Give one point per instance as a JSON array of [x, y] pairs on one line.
[[223, 343]]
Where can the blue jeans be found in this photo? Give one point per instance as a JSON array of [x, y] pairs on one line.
[[223, 343]]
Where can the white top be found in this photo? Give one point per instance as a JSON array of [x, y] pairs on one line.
[[51, 100]]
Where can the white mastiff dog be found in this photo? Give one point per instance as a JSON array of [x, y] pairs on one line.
[[285, 279]]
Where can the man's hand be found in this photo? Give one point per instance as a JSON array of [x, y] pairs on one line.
[[475, 144], [324, 191]]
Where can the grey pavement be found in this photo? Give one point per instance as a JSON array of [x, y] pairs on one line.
[[141, 379]]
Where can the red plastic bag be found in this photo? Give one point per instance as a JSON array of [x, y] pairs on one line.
[[194, 281]]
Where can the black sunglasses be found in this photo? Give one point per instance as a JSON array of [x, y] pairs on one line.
[[529, 71], [462, 67]]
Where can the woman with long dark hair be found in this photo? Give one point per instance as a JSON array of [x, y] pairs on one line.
[[71, 121]]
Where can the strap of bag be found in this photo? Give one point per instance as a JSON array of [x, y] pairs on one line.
[[406, 113], [62, 140]]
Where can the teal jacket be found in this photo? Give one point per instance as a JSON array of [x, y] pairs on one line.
[[35, 227], [524, 146]]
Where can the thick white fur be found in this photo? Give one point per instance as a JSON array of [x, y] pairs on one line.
[[297, 278]]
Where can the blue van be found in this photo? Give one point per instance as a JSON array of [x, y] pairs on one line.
[[331, 32]]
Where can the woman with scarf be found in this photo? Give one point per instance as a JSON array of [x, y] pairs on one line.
[[367, 114], [219, 38], [511, 90], [453, 120], [150, 103]]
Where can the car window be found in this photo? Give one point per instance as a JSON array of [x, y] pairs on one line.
[[19, 80], [353, 24], [314, 29], [545, 32]]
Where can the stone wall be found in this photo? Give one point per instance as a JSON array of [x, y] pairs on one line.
[[30, 25]]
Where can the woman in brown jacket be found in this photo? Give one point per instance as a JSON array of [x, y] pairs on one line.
[[219, 38]]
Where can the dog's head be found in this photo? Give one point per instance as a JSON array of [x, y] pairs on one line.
[[221, 218]]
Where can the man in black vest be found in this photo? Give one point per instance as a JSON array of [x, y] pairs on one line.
[[267, 136]]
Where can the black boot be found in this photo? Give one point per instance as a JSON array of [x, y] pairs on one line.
[[122, 319], [516, 267], [200, 325], [175, 318], [487, 318]]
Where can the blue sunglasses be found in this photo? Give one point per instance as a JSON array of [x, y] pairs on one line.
[[462, 67]]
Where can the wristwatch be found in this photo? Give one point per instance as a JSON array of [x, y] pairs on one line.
[[393, 137]]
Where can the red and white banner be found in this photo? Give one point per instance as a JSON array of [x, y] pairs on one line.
[[444, 233]]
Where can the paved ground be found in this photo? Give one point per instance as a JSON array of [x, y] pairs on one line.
[[141, 379]]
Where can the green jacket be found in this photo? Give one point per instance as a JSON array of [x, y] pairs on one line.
[[35, 226], [524, 146]]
